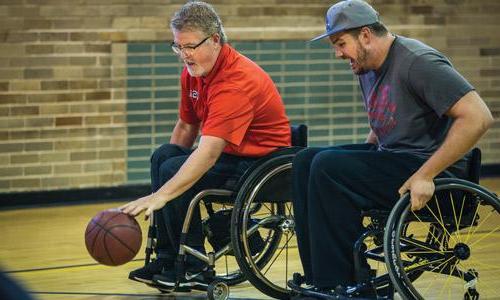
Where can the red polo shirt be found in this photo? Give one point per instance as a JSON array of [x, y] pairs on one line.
[[238, 102]]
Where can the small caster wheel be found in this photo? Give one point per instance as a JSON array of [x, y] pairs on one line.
[[471, 294], [218, 290]]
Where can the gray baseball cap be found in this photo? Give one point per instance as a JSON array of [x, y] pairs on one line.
[[346, 15]]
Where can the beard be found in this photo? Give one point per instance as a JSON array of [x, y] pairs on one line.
[[194, 70], [360, 62]]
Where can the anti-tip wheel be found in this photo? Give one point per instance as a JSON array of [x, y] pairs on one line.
[[218, 290]]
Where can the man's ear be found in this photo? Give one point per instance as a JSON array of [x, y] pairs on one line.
[[216, 38], [365, 36]]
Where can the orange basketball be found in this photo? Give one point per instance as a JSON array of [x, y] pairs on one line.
[[113, 238]]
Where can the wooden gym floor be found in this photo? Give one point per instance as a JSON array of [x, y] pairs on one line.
[[44, 250]]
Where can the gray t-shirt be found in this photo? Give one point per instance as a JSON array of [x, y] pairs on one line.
[[407, 98]]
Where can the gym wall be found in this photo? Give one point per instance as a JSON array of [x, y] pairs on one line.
[[89, 88]]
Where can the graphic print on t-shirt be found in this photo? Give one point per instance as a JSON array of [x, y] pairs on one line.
[[381, 110]]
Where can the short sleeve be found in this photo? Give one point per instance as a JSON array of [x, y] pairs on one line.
[[434, 80], [186, 109], [230, 113]]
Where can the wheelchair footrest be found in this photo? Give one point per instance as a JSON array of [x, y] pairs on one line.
[[181, 289], [310, 292], [299, 291]]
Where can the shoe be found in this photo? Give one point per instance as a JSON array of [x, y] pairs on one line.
[[146, 273], [191, 280], [362, 290]]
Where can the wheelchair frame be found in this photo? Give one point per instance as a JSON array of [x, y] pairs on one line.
[[388, 231], [219, 286]]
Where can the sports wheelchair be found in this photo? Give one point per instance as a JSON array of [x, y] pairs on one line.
[[249, 225], [443, 251]]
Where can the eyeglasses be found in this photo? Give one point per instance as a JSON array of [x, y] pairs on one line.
[[187, 50]]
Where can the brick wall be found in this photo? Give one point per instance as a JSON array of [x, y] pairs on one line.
[[71, 77]]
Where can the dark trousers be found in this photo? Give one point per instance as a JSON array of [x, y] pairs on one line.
[[331, 187], [165, 162]]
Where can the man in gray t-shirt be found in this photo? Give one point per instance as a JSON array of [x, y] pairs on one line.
[[408, 96], [424, 117]]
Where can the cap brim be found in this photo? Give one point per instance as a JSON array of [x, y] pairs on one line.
[[324, 35], [319, 37]]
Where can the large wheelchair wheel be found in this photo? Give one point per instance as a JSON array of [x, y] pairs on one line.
[[262, 229], [446, 250]]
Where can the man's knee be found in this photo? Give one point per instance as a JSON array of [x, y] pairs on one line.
[[303, 159], [170, 167], [167, 151], [335, 162]]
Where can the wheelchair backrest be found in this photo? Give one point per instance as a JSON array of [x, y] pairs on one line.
[[299, 141], [299, 135], [474, 165], [278, 188]]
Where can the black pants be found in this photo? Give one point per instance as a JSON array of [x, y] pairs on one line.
[[165, 162], [331, 187]]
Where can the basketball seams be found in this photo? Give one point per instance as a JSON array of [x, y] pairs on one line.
[[102, 226], [117, 214], [118, 239], [88, 234], [95, 237], [136, 227], [88, 231], [106, 248], [100, 232]]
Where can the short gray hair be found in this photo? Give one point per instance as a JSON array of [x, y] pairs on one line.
[[198, 15]]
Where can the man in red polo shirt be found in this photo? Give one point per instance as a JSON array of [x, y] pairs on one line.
[[241, 116]]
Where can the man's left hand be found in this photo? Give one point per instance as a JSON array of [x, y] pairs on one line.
[[421, 191]]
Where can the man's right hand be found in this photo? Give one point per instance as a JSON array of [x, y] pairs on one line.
[[421, 191], [148, 203]]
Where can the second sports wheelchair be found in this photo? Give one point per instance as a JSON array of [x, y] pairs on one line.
[[249, 225], [444, 251]]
